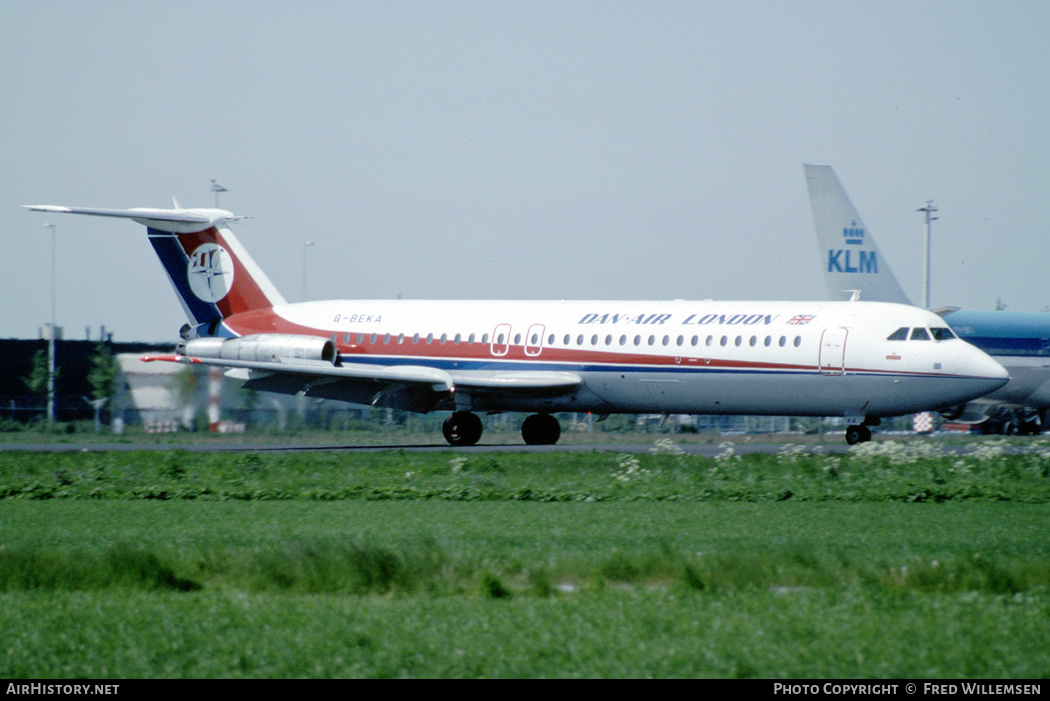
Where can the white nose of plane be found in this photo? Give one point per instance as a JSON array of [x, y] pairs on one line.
[[984, 373]]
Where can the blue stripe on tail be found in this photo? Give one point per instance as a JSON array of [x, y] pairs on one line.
[[176, 263]]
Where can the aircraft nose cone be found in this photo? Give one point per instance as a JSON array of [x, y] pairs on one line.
[[982, 366]]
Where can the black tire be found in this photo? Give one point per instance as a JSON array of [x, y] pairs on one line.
[[858, 434], [462, 428], [540, 429]]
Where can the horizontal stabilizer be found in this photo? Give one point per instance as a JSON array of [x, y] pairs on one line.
[[169, 220]]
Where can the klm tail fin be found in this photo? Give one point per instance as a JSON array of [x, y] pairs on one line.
[[849, 256], [212, 273]]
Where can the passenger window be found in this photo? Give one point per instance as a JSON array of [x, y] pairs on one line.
[[900, 334], [942, 333], [457, 339], [415, 338], [919, 334], [769, 339], [430, 338], [623, 340], [783, 340], [798, 341], [754, 340]]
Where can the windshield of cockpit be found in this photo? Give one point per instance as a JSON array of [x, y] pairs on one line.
[[922, 333]]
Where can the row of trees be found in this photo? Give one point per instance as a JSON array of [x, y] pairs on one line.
[[102, 378]]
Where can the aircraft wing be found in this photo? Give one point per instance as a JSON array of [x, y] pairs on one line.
[[410, 387], [522, 382]]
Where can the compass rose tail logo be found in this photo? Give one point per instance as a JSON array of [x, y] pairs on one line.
[[210, 272], [214, 276]]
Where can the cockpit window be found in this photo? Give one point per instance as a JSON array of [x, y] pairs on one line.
[[919, 334], [900, 334], [942, 333]]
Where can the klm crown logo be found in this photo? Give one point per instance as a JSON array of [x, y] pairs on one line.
[[853, 234]]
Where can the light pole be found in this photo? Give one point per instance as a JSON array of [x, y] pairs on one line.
[[51, 336], [928, 209], [217, 188], [306, 245]]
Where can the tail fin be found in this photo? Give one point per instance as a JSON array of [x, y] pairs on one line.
[[212, 273], [850, 258]]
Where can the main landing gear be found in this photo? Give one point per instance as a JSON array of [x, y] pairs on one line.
[[464, 428], [541, 429]]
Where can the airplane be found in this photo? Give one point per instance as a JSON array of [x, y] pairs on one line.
[[1019, 341], [669, 357]]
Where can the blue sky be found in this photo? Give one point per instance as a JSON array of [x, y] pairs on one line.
[[582, 150]]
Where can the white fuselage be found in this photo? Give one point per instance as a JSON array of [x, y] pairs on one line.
[[710, 357]]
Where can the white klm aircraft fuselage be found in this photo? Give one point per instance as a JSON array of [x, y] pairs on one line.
[[692, 357]]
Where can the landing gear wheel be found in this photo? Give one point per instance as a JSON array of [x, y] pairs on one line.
[[462, 428], [541, 429], [858, 434]]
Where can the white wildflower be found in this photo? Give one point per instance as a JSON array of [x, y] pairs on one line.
[[727, 454], [790, 453], [630, 468], [665, 446], [895, 453]]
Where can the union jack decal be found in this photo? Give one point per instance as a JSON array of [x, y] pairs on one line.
[[801, 319]]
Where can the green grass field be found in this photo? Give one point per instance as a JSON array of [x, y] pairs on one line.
[[889, 561]]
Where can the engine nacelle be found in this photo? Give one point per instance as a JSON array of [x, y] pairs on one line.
[[264, 348]]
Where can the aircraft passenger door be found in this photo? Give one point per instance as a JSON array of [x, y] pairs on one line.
[[832, 359], [534, 340], [500, 340]]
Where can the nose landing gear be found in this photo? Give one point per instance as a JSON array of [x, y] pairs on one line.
[[858, 434]]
